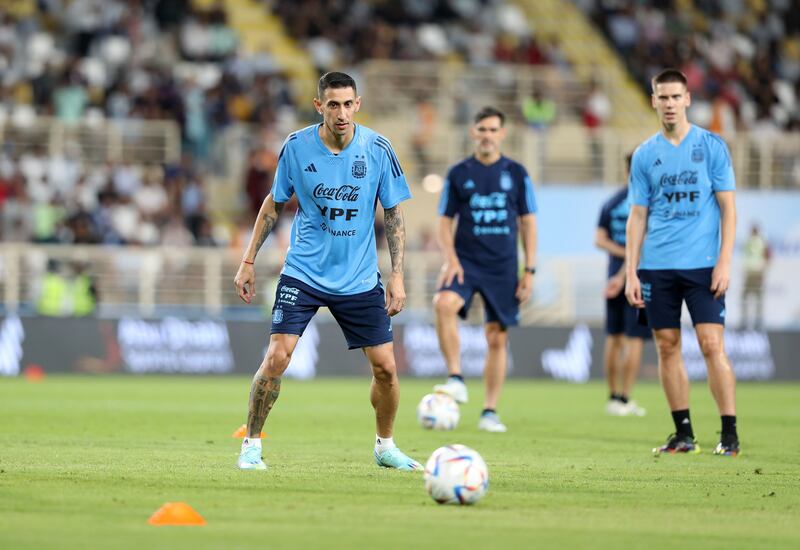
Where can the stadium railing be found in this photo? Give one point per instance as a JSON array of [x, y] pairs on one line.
[[192, 282], [98, 141], [198, 283]]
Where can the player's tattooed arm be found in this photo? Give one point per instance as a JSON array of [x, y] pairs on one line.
[[395, 236], [263, 394], [245, 280], [269, 217]]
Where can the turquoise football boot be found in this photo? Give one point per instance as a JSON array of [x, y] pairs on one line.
[[250, 459], [395, 458]]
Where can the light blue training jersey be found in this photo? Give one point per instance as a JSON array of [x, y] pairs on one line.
[[332, 245], [678, 184]]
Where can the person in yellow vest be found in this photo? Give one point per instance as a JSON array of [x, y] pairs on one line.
[[83, 290], [756, 258], [55, 289], [539, 112]]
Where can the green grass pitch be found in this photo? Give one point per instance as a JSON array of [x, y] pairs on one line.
[[85, 461]]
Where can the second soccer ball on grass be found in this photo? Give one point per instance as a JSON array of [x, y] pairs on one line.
[[438, 411]]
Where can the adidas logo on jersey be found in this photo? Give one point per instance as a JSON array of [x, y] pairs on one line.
[[657, 162], [310, 168]]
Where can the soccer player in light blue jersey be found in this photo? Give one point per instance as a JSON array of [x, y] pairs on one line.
[[487, 201], [338, 171], [679, 245]]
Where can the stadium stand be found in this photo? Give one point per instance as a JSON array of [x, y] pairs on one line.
[[152, 123], [742, 59]]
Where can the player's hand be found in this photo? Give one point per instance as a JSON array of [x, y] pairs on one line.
[[245, 282], [615, 285], [524, 288], [633, 291], [395, 294], [720, 279], [450, 271]]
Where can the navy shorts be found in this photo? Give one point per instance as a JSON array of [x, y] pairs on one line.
[[622, 318], [664, 291], [362, 317], [497, 290]]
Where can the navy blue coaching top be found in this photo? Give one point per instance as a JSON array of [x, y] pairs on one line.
[[487, 200]]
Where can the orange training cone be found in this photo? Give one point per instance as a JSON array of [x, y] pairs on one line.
[[241, 432], [33, 373], [176, 513]]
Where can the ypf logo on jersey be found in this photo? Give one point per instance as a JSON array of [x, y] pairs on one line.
[[359, 170]]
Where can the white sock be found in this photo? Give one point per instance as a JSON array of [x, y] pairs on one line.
[[384, 443], [251, 442]]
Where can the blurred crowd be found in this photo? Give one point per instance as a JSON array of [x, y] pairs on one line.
[[86, 60], [60, 200], [742, 57], [340, 33]]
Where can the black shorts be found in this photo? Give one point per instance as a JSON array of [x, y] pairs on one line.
[[665, 290], [362, 317], [498, 291], [622, 318]]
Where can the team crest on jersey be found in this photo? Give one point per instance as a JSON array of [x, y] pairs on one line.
[[697, 154], [505, 181], [359, 169], [277, 316]]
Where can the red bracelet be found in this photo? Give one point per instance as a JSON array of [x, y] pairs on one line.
[[246, 262]]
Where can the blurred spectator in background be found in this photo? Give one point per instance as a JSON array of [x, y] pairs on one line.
[[84, 290], [261, 167], [596, 112], [539, 112], [421, 139], [756, 257]]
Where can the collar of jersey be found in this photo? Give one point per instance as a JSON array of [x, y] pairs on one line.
[[328, 151], [668, 142]]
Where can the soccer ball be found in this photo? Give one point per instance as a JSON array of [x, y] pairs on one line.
[[438, 411], [456, 474]]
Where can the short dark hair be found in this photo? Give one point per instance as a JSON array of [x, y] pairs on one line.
[[669, 75], [628, 159], [334, 80], [487, 112]]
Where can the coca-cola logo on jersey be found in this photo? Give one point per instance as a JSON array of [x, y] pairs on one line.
[[341, 193], [687, 177]]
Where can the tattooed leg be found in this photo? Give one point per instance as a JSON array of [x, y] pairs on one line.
[[267, 382], [263, 394]]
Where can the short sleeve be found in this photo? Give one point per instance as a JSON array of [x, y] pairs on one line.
[[639, 189], [392, 186], [283, 185], [448, 200], [526, 198], [605, 218], [720, 166]]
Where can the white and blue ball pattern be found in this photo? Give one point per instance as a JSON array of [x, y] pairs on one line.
[[456, 474], [438, 411]]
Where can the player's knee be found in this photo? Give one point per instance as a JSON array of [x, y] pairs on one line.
[[668, 345], [446, 303], [277, 359], [496, 338], [385, 371], [711, 346]]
